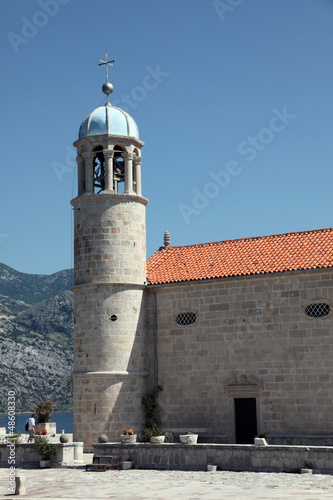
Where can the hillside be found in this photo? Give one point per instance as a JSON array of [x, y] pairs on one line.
[[36, 338], [33, 288]]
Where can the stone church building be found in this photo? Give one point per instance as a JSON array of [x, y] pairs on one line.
[[238, 333]]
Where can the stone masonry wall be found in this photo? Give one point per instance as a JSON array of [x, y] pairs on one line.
[[251, 338], [110, 239], [226, 457], [109, 325], [107, 404]]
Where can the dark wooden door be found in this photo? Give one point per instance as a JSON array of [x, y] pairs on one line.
[[246, 420]]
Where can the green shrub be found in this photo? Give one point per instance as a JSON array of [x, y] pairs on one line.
[[46, 449], [152, 414]]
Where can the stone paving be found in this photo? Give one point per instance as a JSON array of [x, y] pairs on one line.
[[67, 483]]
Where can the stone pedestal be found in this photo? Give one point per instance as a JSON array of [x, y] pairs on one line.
[[78, 453], [51, 428]]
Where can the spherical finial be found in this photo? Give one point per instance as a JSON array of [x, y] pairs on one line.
[[107, 88], [167, 239]]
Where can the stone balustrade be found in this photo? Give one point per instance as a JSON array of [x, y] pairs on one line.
[[68, 454], [173, 456]]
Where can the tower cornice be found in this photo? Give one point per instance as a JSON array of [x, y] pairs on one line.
[[112, 374], [123, 284], [112, 196], [123, 139]]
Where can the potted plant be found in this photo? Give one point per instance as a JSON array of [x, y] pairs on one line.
[[152, 434], [47, 451], [127, 436], [146, 434], [42, 432], [43, 412], [156, 435]]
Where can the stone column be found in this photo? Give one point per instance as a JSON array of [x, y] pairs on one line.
[[80, 175], [137, 166], [89, 172], [108, 155], [78, 453], [129, 173]]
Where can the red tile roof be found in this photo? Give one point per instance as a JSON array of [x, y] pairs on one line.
[[242, 257]]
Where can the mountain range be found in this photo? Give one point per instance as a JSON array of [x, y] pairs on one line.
[[36, 338]]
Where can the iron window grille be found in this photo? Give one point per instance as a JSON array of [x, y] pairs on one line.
[[317, 310], [187, 318]]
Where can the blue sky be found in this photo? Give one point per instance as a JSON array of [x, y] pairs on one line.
[[233, 99]]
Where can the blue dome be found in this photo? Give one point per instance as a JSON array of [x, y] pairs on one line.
[[109, 120]]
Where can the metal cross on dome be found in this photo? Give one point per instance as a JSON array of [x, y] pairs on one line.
[[107, 63]]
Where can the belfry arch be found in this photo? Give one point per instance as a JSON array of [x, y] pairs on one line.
[[99, 169], [118, 169], [110, 168]]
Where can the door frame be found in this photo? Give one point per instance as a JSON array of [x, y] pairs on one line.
[[242, 387], [246, 420]]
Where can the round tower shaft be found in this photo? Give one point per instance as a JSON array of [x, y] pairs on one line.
[[109, 278]]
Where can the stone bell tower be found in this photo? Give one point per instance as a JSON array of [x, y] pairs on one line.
[[109, 276]]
